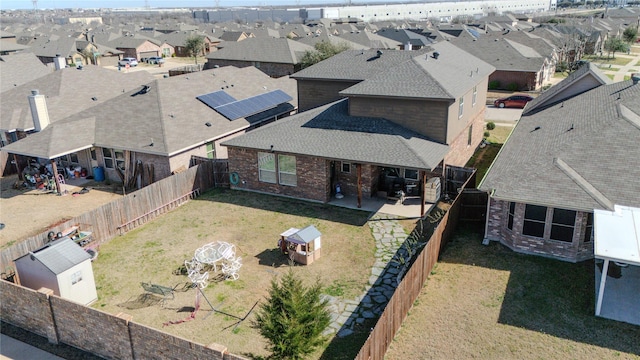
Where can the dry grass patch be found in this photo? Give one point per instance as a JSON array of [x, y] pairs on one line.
[[488, 302], [253, 223]]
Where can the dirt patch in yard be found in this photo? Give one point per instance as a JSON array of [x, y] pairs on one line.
[[488, 302], [26, 213]]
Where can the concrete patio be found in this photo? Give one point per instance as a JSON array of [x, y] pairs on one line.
[[409, 210], [621, 301]]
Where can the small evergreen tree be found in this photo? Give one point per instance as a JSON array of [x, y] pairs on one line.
[[293, 318], [195, 46], [323, 50]]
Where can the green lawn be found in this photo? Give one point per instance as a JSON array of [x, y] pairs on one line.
[[611, 76], [609, 68], [607, 61], [488, 302]]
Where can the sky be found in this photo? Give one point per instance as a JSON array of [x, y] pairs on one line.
[[59, 4]]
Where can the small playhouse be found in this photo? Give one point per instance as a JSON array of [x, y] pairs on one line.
[[301, 245]]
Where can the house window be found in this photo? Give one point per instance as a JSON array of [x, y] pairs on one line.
[[71, 158], [469, 135], [94, 155], [211, 151], [534, 220], [475, 96], [113, 158], [166, 52], [76, 277], [411, 174], [512, 211], [461, 107], [346, 167], [287, 170], [588, 232], [562, 225], [267, 167]]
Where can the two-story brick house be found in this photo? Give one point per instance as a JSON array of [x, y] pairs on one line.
[[407, 114]]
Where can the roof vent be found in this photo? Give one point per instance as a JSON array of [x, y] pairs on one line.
[[379, 52], [436, 55], [635, 77], [145, 89]]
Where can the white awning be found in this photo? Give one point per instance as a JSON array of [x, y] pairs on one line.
[[617, 238], [617, 234]]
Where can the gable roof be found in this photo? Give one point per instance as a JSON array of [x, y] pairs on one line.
[[578, 154], [168, 116], [60, 255], [268, 50], [588, 74], [330, 132], [449, 76], [505, 55]]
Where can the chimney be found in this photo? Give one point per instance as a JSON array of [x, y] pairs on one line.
[[407, 46], [636, 78], [59, 62], [39, 112]]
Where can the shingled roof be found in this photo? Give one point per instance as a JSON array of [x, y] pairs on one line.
[[423, 76], [330, 132], [579, 154], [268, 50], [18, 69], [166, 120]]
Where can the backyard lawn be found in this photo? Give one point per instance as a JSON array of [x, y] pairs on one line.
[[607, 60], [488, 302], [252, 222]]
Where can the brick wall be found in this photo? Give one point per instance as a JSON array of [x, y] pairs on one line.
[[271, 69], [313, 93], [28, 309], [460, 150], [497, 230], [349, 181], [524, 80], [312, 173], [105, 335]]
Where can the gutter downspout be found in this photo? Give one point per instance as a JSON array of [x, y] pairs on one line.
[[486, 240]]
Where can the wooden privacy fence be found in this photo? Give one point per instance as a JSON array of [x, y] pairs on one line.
[[411, 285], [125, 213]]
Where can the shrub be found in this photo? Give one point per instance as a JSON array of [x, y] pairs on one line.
[[491, 125], [513, 87], [293, 318], [495, 84], [486, 134], [562, 66]]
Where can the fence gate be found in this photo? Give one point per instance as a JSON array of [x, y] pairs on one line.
[[455, 177], [220, 171], [474, 206]]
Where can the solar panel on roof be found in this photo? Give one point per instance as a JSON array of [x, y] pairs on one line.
[[253, 105], [216, 98]]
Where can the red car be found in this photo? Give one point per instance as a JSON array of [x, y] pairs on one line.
[[513, 101]]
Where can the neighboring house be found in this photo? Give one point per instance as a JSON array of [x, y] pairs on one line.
[[161, 123], [408, 114], [136, 47], [62, 266], [178, 40], [64, 93], [8, 47], [48, 49], [275, 57], [518, 66], [575, 149], [410, 40], [236, 36], [18, 69]]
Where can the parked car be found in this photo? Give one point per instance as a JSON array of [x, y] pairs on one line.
[[155, 60], [513, 101], [128, 61]]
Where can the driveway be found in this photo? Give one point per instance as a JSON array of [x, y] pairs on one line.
[[495, 114]]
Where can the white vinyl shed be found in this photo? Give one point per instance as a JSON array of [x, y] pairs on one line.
[[62, 266], [617, 243]]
